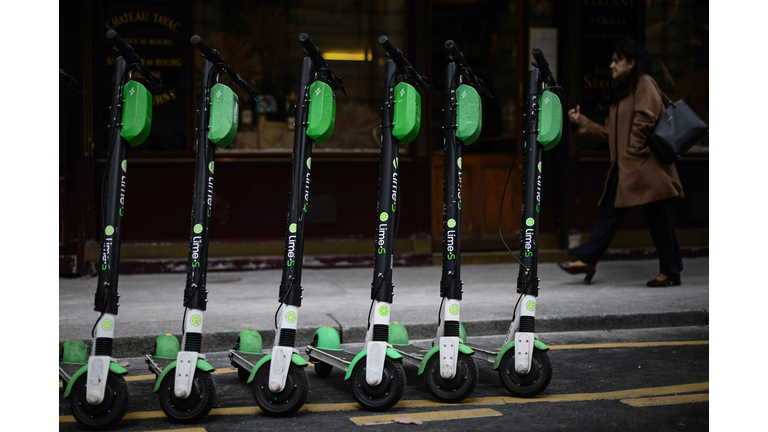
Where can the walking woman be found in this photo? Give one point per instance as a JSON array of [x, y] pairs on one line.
[[636, 176]]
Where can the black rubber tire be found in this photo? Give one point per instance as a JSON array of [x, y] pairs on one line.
[[459, 387], [288, 401], [322, 370], [195, 406], [383, 396], [106, 414], [530, 384], [243, 374]]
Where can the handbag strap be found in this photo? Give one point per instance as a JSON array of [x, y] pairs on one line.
[[661, 93]]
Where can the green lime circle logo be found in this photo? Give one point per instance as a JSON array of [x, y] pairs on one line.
[[290, 317], [124, 165], [458, 162], [309, 163], [107, 325], [394, 162], [383, 216], [529, 222], [292, 228], [383, 310], [454, 309], [198, 229], [196, 320], [451, 223], [109, 230], [539, 166], [531, 305], [210, 167]]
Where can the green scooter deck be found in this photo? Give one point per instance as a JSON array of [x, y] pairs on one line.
[[66, 370], [246, 361], [484, 353], [412, 354], [157, 364]]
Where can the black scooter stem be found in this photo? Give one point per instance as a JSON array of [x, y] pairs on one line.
[[112, 230], [290, 284], [450, 282], [386, 207], [195, 294], [527, 280]]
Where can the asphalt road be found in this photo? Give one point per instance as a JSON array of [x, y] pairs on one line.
[[646, 379]]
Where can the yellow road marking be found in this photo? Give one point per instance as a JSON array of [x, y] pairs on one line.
[[495, 400], [628, 345], [667, 400], [427, 416], [197, 429]]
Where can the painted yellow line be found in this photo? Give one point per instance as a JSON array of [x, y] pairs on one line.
[[667, 400], [494, 400], [427, 416], [197, 429], [628, 345]]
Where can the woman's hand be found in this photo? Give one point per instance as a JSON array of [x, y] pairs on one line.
[[575, 114]]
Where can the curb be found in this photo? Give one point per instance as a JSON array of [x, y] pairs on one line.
[[133, 346]]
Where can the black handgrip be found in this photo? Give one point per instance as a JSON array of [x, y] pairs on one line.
[[542, 65], [394, 52], [458, 57], [118, 42], [208, 52], [313, 52]]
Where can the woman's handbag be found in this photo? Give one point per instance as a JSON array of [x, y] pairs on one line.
[[676, 131]]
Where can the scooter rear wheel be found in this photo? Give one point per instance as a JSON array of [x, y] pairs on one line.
[[383, 396], [528, 385], [194, 407], [106, 414], [457, 388], [287, 401]]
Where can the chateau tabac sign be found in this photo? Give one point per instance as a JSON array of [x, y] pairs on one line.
[[159, 32]]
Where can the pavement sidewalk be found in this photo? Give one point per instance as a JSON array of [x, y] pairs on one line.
[[151, 304]]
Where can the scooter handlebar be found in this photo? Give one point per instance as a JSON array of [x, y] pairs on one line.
[[469, 74], [214, 57], [126, 51], [209, 53], [543, 65], [401, 62], [312, 50], [457, 55]]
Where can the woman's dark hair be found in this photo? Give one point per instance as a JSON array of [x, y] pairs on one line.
[[631, 50]]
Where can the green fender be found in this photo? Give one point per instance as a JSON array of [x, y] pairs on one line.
[[113, 367], [201, 364], [394, 355], [537, 344], [296, 359], [327, 338], [462, 349]]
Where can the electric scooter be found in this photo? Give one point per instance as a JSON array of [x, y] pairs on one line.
[[280, 382], [97, 392], [376, 373], [522, 363], [448, 367], [184, 384]]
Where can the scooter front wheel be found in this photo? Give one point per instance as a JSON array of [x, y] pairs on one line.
[[194, 407], [383, 396], [106, 414], [530, 384], [287, 401], [457, 388]]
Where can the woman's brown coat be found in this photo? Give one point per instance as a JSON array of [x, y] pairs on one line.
[[643, 178]]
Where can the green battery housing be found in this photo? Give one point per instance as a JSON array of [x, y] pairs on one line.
[[469, 114], [137, 113], [407, 118], [322, 112], [550, 120], [222, 126]]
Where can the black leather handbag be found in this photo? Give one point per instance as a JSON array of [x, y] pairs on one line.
[[676, 131]]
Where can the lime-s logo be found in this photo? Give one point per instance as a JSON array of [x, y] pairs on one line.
[[290, 263], [107, 325], [382, 250], [454, 309], [458, 162], [309, 163], [529, 222], [292, 228], [531, 305], [451, 223], [383, 216], [198, 229], [124, 165], [210, 167], [451, 256], [384, 310], [109, 230], [196, 320], [529, 254], [539, 166], [394, 162], [290, 317]]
